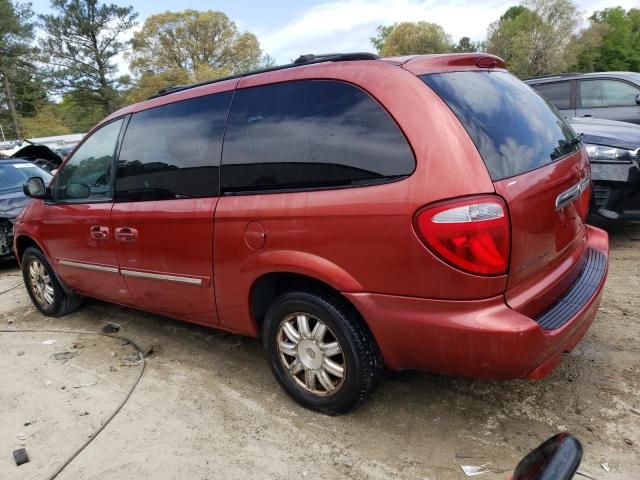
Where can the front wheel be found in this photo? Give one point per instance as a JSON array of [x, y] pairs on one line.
[[320, 352], [43, 286]]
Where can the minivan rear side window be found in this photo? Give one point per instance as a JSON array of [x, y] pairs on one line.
[[173, 151], [514, 129], [310, 134]]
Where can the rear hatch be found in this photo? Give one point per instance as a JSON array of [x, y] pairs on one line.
[[536, 164]]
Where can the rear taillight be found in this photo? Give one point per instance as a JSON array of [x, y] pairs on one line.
[[471, 234]]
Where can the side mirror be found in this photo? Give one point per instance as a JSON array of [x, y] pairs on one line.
[[638, 99], [556, 459], [78, 191], [34, 188]]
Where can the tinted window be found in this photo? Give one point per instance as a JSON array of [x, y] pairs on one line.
[[88, 175], [312, 133], [607, 93], [514, 129], [557, 93], [173, 151]]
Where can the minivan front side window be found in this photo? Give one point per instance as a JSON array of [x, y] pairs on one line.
[[88, 175]]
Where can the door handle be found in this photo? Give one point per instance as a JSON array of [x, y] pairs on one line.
[[99, 233], [126, 234], [587, 116]]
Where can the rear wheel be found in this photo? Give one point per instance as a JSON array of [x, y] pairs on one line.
[[320, 352], [43, 286]]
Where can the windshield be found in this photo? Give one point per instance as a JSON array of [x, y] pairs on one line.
[[13, 175], [514, 129]]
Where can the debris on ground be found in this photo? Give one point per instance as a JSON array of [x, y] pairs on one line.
[[83, 413], [77, 345], [20, 456], [111, 328], [20, 353], [51, 341], [636, 411], [605, 467], [29, 422], [585, 475], [64, 355], [473, 470], [82, 385], [628, 441]]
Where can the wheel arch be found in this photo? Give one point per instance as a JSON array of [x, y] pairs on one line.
[[266, 288]]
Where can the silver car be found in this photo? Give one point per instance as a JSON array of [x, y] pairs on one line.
[[608, 95]]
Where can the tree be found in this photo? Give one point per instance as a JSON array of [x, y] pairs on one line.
[[16, 34], [611, 42], [81, 44], [535, 38], [409, 38], [46, 122], [191, 46], [465, 45]]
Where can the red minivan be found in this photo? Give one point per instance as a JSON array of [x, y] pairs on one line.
[[421, 212]]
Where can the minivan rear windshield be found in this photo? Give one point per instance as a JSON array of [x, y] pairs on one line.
[[514, 129]]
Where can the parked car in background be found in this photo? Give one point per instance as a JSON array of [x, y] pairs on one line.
[[614, 151], [608, 95], [13, 174], [422, 212]]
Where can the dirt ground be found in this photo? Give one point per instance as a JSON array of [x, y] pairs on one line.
[[208, 407]]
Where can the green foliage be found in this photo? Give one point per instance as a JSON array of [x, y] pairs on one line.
[[80, 112], [535, 38], [382, 33], [411, 38], [81, 43], [190, 46], [20, 89], [46, 122], [611, 42], [465, 45]]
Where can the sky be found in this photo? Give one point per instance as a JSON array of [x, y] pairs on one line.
[[289, 28]]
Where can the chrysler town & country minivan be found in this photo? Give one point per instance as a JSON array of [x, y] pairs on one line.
[[354, 212]]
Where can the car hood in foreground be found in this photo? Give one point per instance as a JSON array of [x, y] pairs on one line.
[[11, 204], [607, 132]]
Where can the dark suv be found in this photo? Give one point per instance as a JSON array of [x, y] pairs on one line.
[[609, 95]]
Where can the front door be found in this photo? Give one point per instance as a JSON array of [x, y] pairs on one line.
[[77, 225], [167, 187], [610, 99]]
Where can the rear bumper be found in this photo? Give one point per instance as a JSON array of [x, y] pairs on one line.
[[481, 338]]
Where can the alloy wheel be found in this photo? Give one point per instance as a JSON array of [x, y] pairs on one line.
[[311, 354], [40, 282]]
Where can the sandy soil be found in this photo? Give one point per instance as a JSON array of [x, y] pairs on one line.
[[208, 408]]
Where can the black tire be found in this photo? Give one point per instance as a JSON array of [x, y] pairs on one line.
[[359, 352], [64, 301]]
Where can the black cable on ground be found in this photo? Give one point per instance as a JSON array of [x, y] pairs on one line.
[[116, 411], [12, 288]]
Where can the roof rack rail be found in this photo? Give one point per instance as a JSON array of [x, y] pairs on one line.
[[555, 75], [307, 59]]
